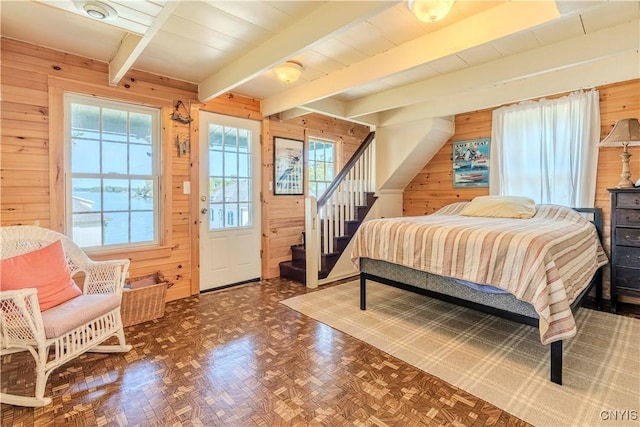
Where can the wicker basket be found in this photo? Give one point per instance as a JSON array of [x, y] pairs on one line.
[[144, 303]]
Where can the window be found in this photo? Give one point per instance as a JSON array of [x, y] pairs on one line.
[[112, 161], [322, 165], [230, 181], [547, 150]]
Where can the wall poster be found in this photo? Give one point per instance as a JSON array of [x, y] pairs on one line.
[[288, 166], [471, 163]]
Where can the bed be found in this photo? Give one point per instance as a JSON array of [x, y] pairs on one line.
[[525, 270]]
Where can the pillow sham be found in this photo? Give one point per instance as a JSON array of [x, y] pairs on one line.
[[500, 207], [45, 269]]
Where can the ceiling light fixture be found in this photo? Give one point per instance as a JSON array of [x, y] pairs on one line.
[[97, 10], [288, 72], [430, 10]]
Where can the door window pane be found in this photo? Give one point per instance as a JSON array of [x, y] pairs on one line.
[[244, 190], [231, 164], [229, 177], [244, 165], [244, 214], [216, 216]]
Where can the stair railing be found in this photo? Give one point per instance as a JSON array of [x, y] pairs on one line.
[[337, 205]]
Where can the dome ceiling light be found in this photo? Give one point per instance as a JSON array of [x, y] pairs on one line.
[[430, 10], [97, 10], [288, 72]]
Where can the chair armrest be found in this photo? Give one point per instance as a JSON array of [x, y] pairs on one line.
[[20, 317], [105, 277]]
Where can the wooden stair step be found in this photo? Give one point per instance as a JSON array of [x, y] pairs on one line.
[[299, 274], [296, 268]]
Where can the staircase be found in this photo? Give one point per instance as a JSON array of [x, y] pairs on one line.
[[296, 268], [340, 211]]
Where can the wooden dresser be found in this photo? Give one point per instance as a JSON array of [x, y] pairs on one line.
[[625, 243]]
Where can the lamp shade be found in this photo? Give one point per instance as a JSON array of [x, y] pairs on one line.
[[430, 10], [624, 131], [288, 72]]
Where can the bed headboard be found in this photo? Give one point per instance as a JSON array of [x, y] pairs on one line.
[[595, 216]]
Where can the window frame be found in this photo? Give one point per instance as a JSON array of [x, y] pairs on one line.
[[56, 174], [156, 131], [336, 163]]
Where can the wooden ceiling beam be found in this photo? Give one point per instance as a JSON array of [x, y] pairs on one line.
[[132, 45], [492, 24], [330, 19], [292, 114], [334, 108], [585, 75], [586, 48]]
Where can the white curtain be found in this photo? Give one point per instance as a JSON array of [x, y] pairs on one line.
[[547, 150]]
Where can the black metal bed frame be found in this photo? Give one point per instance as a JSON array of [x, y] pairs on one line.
[[556, 346]]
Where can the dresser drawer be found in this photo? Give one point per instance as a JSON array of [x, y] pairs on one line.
[[626, 256], [628, 217], [627, 236], [625, 243], [629, 200], [627, 278]]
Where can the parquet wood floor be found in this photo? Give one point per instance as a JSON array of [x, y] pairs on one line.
[[237, 357]]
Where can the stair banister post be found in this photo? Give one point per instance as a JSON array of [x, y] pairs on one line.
[[311, 230], [360, 182], [340, 211], [336, 205]]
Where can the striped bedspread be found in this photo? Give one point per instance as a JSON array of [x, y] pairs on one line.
[[546, 260]]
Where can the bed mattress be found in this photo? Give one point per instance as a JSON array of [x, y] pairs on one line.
[[545, 261]]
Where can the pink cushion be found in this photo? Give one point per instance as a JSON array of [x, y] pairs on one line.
[[77, 312], [46, 270]]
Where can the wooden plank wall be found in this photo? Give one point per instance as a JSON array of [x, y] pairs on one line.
[[283, 216], [28, 75], [433, 188], [30, 142]]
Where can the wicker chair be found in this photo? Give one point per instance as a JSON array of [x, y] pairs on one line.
[[57, 335]]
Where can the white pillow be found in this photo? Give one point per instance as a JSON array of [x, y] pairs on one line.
[[500, 207]]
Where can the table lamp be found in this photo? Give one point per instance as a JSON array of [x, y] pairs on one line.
[[625, 132]]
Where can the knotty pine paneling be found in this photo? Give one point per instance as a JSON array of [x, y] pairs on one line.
[[32, 73], [432, 188], [233, 105], [27, 144], [283, 216]]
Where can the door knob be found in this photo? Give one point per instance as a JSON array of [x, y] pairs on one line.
[[204, 210]]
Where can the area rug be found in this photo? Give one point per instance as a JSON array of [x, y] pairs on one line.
[[497, 360]]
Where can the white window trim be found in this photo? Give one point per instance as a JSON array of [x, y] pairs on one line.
[[336, 161], [70, 97]]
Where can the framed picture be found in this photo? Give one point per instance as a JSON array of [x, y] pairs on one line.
[[471, 163], [288, 166]]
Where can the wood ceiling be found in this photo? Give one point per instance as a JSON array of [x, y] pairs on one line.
[[366, 61]]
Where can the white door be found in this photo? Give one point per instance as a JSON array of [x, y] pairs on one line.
[[229, 200]]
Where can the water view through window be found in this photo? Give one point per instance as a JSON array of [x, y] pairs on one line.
[[114, 180]]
